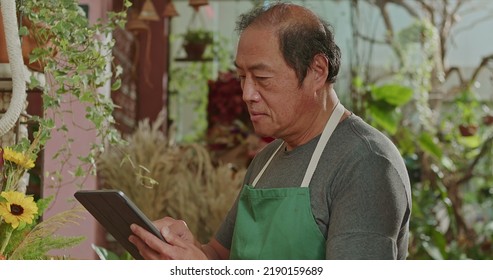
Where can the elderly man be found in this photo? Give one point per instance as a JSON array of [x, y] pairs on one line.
[[329, 187]]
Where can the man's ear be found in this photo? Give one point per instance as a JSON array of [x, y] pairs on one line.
[[320, 67]]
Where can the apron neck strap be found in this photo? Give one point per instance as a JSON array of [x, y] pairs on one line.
[[265, 165], [331, 125], [324, 138]]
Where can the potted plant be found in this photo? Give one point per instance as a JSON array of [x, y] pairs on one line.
[[195, 41], [468, 106], [28, 45]]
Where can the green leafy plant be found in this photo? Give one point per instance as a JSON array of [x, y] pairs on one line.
[[183, 93], [105, 254], [198, 36], [74, 56], [196, 41], [450, 170], [34, 240], [384, 103]]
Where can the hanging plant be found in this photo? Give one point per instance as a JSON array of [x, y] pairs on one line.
[[74, 55], [195, 42], [28, 45]]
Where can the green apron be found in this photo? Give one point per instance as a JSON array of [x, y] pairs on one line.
[[278, 223]]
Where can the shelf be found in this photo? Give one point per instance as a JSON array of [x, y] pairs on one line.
[[6, 77], [185, 59]]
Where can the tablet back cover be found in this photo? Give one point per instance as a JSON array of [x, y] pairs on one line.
[[116, 212]]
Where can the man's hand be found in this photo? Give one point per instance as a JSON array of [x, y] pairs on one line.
[[180, 244]]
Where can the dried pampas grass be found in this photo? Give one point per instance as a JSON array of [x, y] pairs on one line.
[[168, 179], [37, 243]]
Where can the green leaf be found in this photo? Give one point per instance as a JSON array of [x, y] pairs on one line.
[[406, 141], [473, 141], [86, 96], [358, 82], [104, 254], [433, 251], [116, 85], [394, 94], [43, 204], [127, 3], [33, 82], [448, 163], [23, 31], [79, 172], [387, 119], [118, 70], [428, 144], [22, 225]]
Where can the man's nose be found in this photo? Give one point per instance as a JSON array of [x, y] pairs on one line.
[[250, 93]]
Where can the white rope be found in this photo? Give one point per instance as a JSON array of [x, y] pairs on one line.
[[14, 52]]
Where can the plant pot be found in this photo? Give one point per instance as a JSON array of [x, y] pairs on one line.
[[28, 45], [194, 51], [488, 119], [468, 129]]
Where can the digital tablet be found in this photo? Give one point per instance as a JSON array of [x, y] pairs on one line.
[[116, 212]]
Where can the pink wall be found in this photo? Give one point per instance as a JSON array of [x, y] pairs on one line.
[[87, 226]]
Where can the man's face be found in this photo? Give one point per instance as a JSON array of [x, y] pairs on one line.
[[276, 104]]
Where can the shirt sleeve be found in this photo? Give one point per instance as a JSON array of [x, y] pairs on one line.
[[224, 234], [368, 211]]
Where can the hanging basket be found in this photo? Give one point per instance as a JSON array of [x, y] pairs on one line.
[[195, 51], [195, 43], [197, 3]]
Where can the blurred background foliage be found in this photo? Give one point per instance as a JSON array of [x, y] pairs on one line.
[[434, 113], [404, 79]]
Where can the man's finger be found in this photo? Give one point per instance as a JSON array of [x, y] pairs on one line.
[[173, 238]]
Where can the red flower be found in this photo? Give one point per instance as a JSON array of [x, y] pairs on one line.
[[225, 101]]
